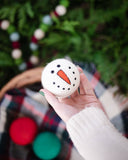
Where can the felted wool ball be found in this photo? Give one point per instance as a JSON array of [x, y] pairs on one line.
[[33, 46], [5, 24], [34, 60], [61, 77], [61, 10], [34, 40], [22, 66], [39, 34], [47, 20], [14, 36], [15, 44], [16, 53], [23, 131], [46, 146]]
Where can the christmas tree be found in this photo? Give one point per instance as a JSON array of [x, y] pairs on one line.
[[88, 31]]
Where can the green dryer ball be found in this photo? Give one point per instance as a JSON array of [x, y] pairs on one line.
[[46, 146]]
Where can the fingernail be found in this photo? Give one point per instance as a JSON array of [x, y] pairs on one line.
[[42, 93]]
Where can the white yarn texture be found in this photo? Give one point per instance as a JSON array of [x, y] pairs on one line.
[[55, 83]]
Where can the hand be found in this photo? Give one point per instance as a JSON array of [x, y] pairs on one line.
[[67, 107]]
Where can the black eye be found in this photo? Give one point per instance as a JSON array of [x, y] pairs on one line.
[[63, 88], [58, 86], [73, 72], [73, 84], [52, 71], [69, 67], [75, 78], [58, 65], [53, 82], [68, 88]]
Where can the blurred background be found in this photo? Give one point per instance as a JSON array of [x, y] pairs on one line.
[[33, 33]]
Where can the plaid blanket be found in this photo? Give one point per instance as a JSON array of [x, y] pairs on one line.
[[27, 102]]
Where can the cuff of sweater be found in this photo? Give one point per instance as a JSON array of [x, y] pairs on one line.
[[88, 123]]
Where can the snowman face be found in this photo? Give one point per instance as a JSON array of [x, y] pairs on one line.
[[61, 77]]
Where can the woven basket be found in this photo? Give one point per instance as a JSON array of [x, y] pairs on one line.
[[22, 80]]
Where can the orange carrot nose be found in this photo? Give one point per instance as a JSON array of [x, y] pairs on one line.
[[62, 75]]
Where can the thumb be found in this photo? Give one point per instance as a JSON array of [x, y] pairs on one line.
[[63, 110], [52, 100]]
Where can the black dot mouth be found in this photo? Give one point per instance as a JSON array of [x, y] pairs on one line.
[[58, 86]]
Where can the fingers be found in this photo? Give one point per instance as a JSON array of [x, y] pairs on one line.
[[52, 100], [82, 91], [79, 69], [62, 109], [85, 85]]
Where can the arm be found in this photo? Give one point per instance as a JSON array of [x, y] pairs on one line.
[[90, 130], [95, 137]]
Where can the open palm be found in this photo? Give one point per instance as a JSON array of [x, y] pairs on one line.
[[67, 107]]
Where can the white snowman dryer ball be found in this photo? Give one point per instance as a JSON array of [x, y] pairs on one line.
[[61, 77]]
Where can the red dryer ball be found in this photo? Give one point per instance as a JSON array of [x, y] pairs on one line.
[[23, 131]]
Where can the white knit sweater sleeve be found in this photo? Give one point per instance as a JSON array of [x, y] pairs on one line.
[[95, 137]]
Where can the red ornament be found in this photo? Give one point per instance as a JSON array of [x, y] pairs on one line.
[[23, 131], [34, 40], [15, 44]]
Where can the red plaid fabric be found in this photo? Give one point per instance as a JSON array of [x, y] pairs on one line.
[[16, 103]]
